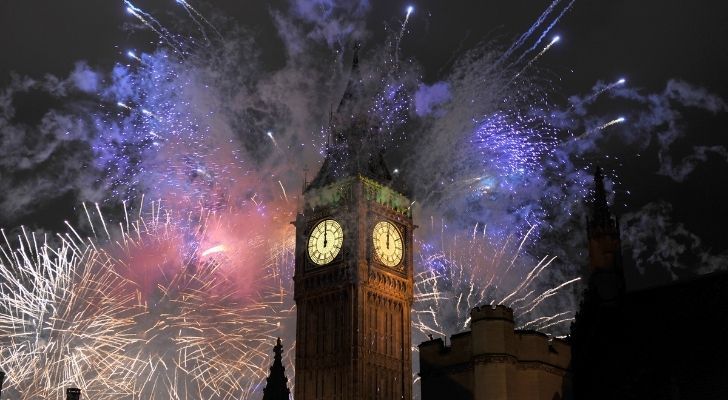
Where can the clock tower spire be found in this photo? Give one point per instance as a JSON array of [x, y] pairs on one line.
[[354, 269], [352, 147]]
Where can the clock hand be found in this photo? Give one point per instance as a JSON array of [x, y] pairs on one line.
[[325, 231], [387, 237]]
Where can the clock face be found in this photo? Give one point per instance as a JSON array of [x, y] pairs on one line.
[[388, 245], [325, 241]]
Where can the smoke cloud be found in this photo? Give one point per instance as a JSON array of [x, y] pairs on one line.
[[655, 240]]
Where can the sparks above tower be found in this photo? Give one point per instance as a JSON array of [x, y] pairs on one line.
[[354, 268]]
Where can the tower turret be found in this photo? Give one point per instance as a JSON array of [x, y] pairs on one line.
[[276, 387], [597, 331], [605, 253]]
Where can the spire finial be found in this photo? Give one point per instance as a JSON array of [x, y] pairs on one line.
[[305, 179], [600, 208], [2, 380], [353, 86], [355, 59], [330, 128]]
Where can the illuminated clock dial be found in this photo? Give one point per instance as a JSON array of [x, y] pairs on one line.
[[325, 242], [388, 245]]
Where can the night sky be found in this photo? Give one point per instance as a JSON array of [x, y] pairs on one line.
[[647, 42]]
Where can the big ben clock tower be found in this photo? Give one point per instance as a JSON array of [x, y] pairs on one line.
[[353, 276]]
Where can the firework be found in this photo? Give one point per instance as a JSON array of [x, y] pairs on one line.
[[457, 273], [131, 54], [515, 140], [521, 41], [270, 135], [153, 314], [599, 90], [601, 127], [619, 82], [546, 31], [612, 122], [410, 9], [152, 23], [537, 56], [198, 18], [64, 315]]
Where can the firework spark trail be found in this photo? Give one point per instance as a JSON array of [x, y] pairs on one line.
[[545, 32], [499, 63], [547, 321], [197, 22], [600, 128], [545, 295], [410, 9], [612, 122], [536, 57], [283, 189], [619, 82], [597, 93], [532, 275], [132, 54], [525, 35], [270, 135], [196, 16], [124, 106], [151, 23]]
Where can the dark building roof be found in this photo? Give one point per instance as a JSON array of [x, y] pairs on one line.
[[677, 339], [668, 342]]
